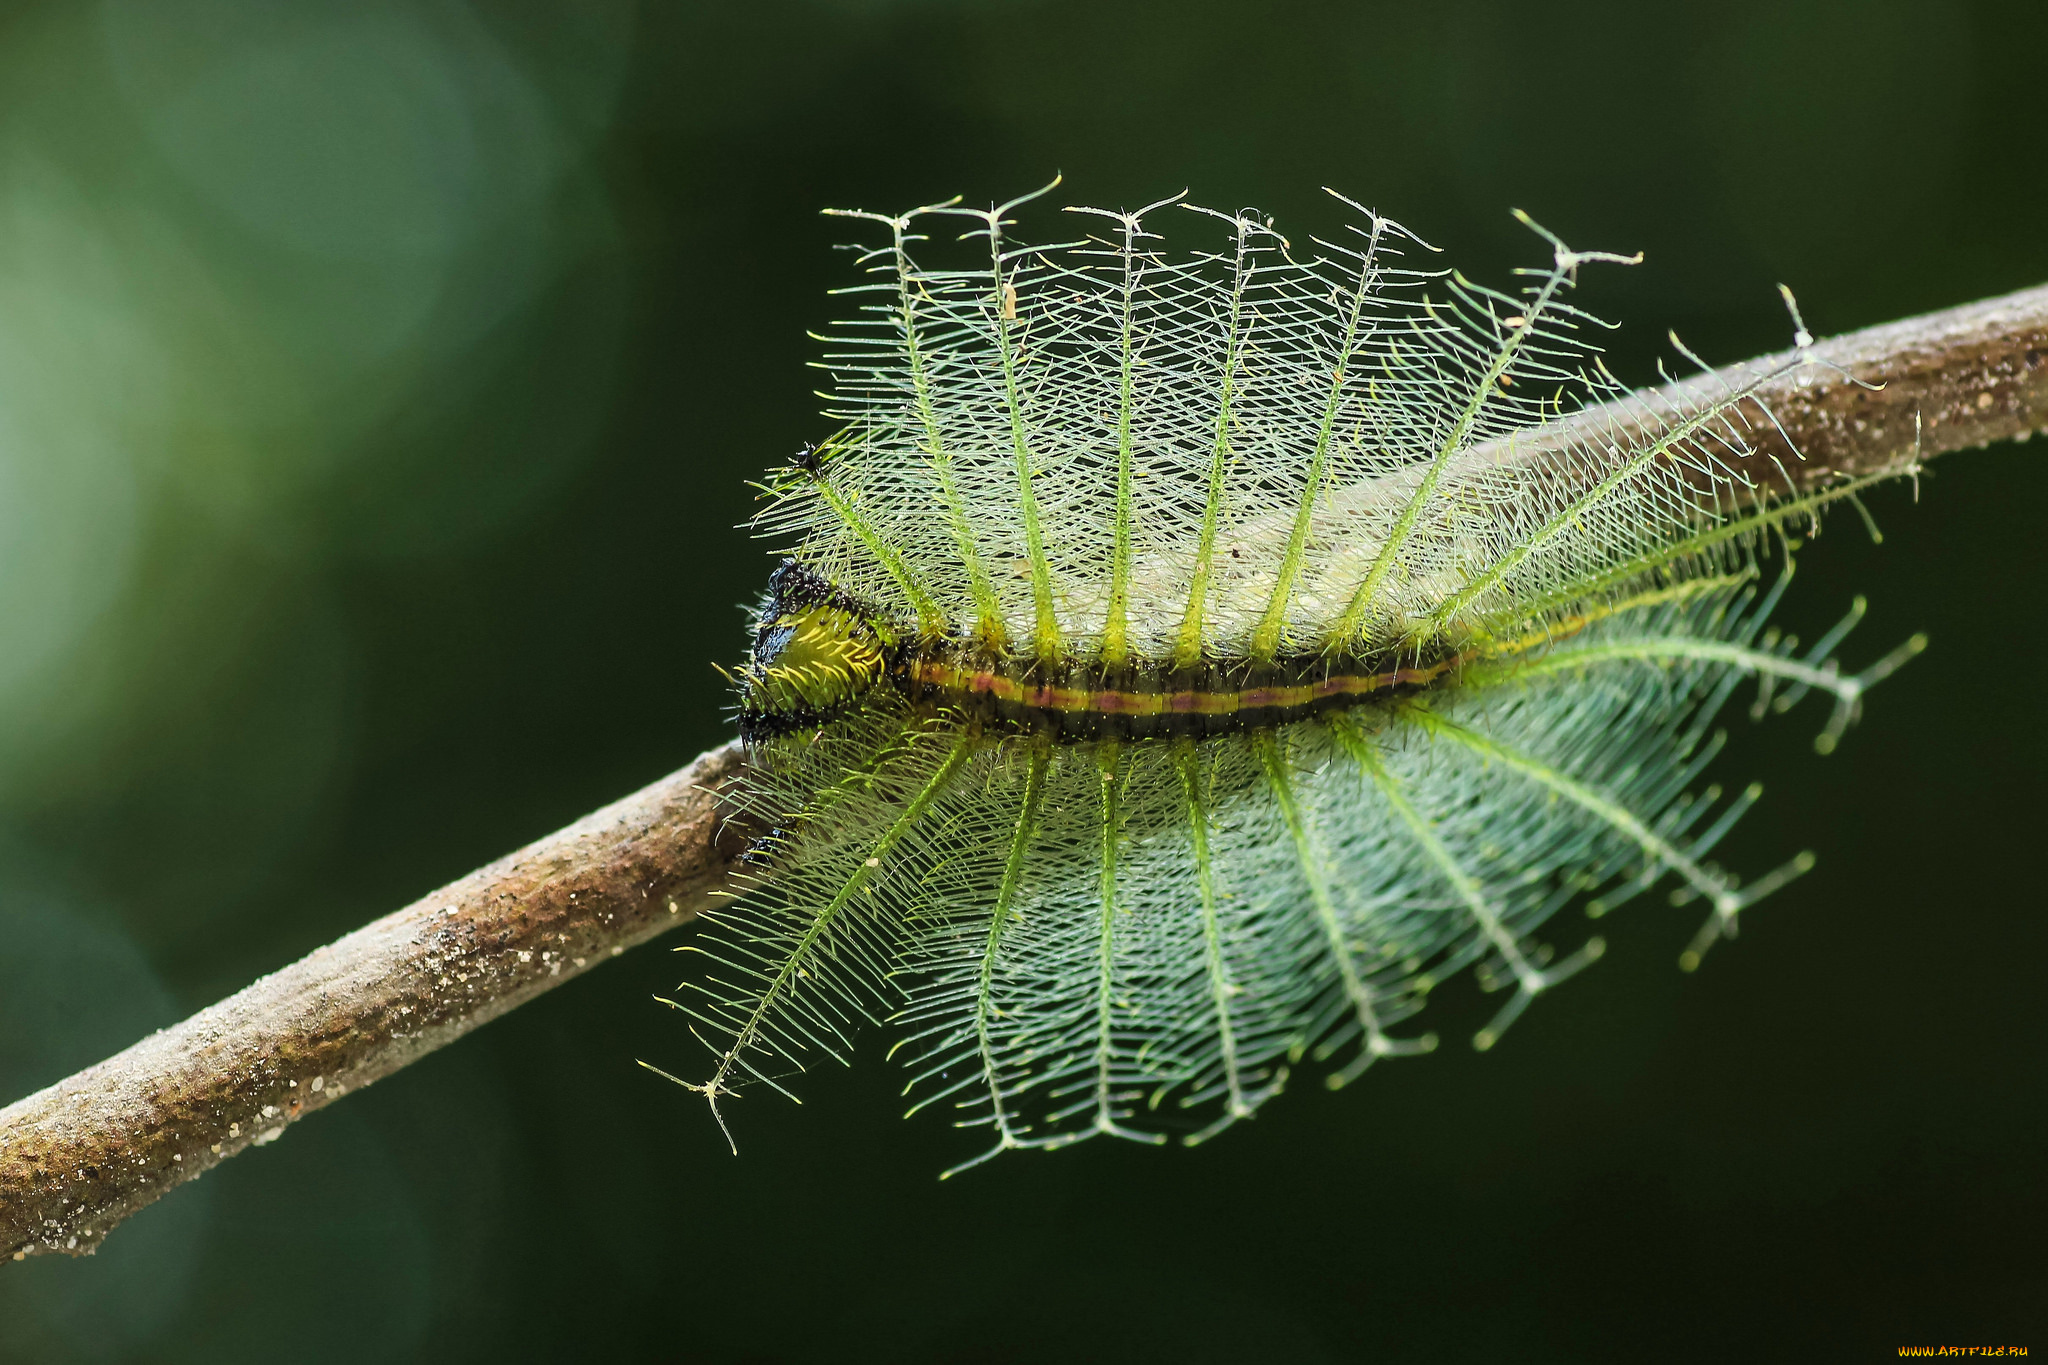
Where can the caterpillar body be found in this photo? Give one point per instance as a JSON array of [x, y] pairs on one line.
[[1184, 662]]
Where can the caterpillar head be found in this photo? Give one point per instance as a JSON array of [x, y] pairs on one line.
[[816, 651]]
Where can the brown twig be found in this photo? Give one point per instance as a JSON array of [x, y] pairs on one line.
[[79, 1157], [1874, 402]]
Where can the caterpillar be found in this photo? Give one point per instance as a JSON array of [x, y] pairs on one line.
[[1184, 662]]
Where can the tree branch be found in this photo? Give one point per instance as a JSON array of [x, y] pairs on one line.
[[79, 1157], [1971, 376]]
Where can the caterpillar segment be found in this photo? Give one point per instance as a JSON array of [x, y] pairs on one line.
[[1174, 675]]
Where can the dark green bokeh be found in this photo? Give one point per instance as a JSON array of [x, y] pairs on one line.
[[377, 388]]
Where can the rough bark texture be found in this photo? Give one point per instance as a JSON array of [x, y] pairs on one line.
[[79, 1157], [1971, 375]]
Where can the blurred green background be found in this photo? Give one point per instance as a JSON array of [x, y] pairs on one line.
[[377, 386]]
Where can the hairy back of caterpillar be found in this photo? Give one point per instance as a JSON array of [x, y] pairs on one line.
[[1185, 662]]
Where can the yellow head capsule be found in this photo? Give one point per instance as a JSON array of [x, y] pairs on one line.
[[808, 661]]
